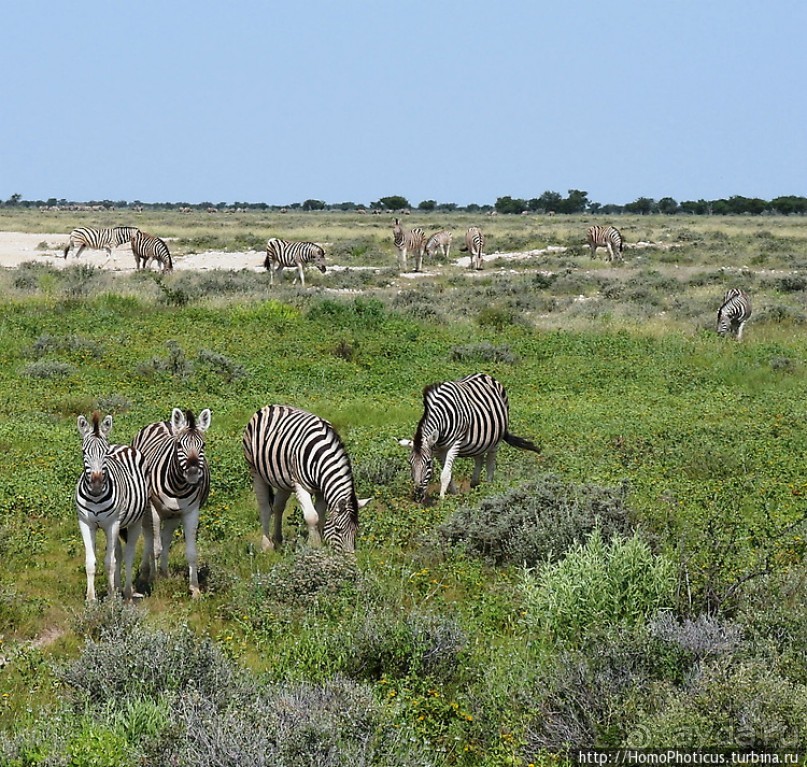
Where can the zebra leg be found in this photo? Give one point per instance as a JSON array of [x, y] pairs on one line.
[[310, 514], [418, 260], [152, 546], [322, 511], [740, 330], [446, 480], [169, 524], [88, 535], [190, 524], [132, 535], [478, 461], [112, 566], [490, 462], [79, 251]]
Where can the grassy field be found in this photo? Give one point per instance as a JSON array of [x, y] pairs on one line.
[[639, 583]]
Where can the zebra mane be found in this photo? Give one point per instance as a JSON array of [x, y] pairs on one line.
[[96, 423], [191, 419], [427, 392]]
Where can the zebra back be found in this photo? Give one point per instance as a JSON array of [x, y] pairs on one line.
[[285, 446], [146, 247]]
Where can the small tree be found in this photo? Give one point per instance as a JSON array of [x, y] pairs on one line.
[[427, 205], [394, 202]]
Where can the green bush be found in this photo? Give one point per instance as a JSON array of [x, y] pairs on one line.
[[598, 584], [537, 521]]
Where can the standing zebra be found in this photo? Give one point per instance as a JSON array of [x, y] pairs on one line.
[[461, 419], [439, 241], [413, 241], [608, 237], [283, 253], [289, 450], [99, 239], [474, 243], [179, 479], [147, 247], [733, 313], [112, 493]]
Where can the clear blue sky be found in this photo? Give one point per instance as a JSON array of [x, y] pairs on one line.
[[458, 102]]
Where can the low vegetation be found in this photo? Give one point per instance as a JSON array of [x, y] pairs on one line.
[[638, 583]]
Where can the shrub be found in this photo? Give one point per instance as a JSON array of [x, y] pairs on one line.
[[598, 584], [48, 369], [484, 352], [538, 521]]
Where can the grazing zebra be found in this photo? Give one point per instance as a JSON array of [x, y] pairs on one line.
[[733, 313], [289, 450], [112, 493], [99, 239], [179, 480], [147, 247], [439, 241], [283, 253], [413, 241], [461, 419], [608, 237], [474, 243]]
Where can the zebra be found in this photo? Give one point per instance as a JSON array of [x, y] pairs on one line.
[[413, 241], [733, 313], [608, 237], [179, 479], [439, 241], [147, 247], [99, 239], [290, 450], [474, 243], [112, 493], [461, 419], [283, 253]]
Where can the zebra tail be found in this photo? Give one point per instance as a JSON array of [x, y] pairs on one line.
[[520, 442]]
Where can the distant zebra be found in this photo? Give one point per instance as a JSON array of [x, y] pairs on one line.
[[147, 247], [99, 239], [733, 313], [608, 237], [112, 493], [413, 241], [461, 419], [289, 450], [179, 480], [283, 253], [474, 244], [439, 241]]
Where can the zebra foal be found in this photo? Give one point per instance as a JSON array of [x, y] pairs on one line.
[[608, 237], [461, 419], [474, 243], [146, 247], [439, 241], [179, 483], [413, 241], [733, 313], [289, 450], [284, 253], [111, 493], [99, 239]]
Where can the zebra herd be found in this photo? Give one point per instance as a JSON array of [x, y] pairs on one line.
[[145, 247], [162, 479]]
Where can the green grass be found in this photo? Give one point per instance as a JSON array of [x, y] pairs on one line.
[[630, 385]]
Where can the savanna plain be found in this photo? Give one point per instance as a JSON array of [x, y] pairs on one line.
[[640, 582]]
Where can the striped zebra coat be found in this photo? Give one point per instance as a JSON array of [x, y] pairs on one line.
[[733, 313], [413, 241], [284, 253], [474, 244], [439, 241], [461, 419], [608, 237], [179, 483], [289, 450], [99, 239], [111, 494], [146, 247]]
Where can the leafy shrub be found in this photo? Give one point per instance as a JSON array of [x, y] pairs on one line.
[[48, 369], [598, 584], [222, 365], [48, 344], [484, 352], [537, 521], [389, 644]]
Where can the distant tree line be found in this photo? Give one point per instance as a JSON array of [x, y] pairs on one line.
[[576, 201]]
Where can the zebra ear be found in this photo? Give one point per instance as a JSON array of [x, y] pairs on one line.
[[83, 426], [406, 442], [363, 502], [431, 438], [106, 426], [177, 419], [203, 421]]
